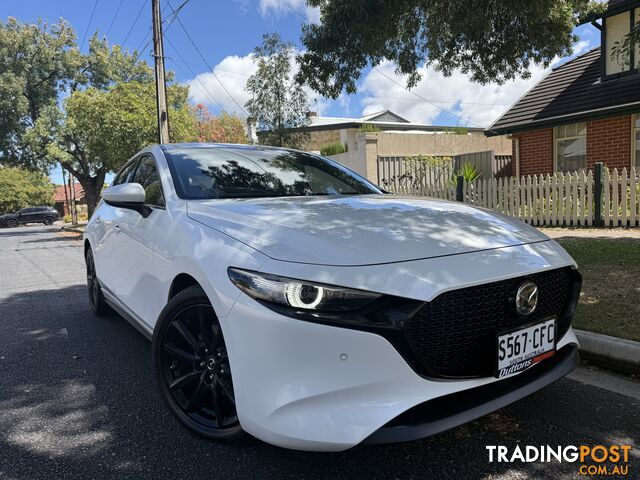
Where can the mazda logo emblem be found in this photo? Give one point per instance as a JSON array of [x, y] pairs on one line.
[[527, 298]]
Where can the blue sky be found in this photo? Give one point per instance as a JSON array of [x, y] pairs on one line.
[[227, 31]]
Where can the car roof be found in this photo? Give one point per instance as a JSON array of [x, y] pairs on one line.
[[235, 146]]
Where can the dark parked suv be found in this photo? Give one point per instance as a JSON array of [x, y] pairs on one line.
[[46, 215]]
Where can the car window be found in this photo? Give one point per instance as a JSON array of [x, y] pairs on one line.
[[124, 176], [147, 176], [203, 172]]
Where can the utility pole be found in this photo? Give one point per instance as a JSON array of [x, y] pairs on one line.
[[161, 86]]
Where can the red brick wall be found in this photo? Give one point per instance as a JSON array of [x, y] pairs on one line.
[[536, 151], [609, 141]]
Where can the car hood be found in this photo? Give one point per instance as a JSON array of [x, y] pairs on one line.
[[361, 229]]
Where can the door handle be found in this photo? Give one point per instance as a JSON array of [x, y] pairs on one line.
[[117, 227], [98, 219]]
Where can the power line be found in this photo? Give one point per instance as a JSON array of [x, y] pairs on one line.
[[86, 32], [135, 20], [176, 11], [147, 38], [425, 99], [453, 102], [195, 76], [290, 7], [115, 15], [205, 60]]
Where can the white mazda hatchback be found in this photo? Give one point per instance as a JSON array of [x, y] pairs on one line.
[[292, 299]]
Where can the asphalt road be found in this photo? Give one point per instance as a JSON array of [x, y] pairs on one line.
[[77, 400]]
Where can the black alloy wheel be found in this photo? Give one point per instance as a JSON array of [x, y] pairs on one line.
[[48, 221], [192, 366], [96, 298], [12, 223]]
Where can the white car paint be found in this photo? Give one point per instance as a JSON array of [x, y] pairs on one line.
[[299, 384]]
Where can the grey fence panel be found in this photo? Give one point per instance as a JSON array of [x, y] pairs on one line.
[[482, 161]]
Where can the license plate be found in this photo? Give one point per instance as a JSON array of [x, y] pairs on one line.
[[520, 349]]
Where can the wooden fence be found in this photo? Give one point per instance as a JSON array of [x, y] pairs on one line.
[[396, 173], [487, 163], [569, 199]]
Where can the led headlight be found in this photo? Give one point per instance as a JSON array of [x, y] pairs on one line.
[[299, 294]]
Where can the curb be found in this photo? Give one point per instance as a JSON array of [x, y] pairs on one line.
[[72, 229], [612, 352]]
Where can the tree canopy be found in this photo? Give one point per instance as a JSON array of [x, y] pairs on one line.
[[97, 131], [224, 128], [20, 188], [89, 112], [278, 104], [492, 41]]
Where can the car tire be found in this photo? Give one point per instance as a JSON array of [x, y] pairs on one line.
[[48, 221], [96, 298], [12, 223], [192, 367]]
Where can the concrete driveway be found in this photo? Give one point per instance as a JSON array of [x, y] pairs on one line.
[[77, 400]]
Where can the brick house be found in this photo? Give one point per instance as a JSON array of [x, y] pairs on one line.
[[60, 199], [585, 111]]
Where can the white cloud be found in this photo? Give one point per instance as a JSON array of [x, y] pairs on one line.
[[279, 8], [472, 103], [233, 72]]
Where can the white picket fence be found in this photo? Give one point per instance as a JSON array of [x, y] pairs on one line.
[[552, 200]]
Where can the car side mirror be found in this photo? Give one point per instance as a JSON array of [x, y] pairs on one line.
[[127, 195]]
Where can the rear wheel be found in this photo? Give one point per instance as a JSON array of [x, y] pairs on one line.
[[12, 223], [96, 298], [192, 367]]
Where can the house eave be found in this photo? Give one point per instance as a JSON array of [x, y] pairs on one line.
[[382, 126], [586, 115]]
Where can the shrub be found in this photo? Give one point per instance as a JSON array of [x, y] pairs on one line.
[[82, 217], [368, 128], [457, 130], [333, 149], [468, 171]]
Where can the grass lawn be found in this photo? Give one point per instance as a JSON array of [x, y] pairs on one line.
[[610, 299]]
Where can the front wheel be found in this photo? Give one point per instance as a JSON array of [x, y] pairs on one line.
[[192, 367], [48, 221], [96, 298], [12, 223]]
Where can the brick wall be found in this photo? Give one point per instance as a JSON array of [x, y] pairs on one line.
[[536, 151], [609, 141]]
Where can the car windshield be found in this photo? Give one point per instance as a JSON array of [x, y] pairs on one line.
[[216, 172]]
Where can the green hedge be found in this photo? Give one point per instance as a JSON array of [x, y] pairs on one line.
[[333, 149]]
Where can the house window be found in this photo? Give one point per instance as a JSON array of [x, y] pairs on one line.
[[571, 147], [637, 49], [637, 140], [617, 27]]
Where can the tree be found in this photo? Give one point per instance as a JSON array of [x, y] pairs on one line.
[[40, 63], [21, 188], [37, 62], [492, 41], [97, 131], [224, 128], [278, 104]]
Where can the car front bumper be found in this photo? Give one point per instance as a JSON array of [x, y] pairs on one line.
[[309, 386]]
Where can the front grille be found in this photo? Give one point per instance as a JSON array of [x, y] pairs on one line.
[[454, 335]]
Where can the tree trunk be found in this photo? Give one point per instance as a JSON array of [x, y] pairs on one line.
[[92, 196], [92, 187]]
